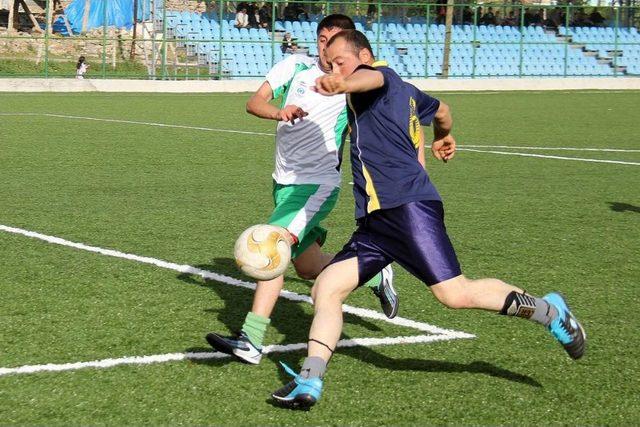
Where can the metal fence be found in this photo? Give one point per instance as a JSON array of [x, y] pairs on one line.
[[203, 41]]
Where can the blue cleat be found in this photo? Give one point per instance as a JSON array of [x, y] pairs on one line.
[[301, 393], [565, 328]]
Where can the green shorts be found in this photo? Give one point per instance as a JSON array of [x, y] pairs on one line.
[[300, 208]]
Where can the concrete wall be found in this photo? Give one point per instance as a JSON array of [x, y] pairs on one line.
[[212, 86]]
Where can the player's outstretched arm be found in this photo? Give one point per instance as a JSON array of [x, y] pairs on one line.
[[360, 81], [260, 106], [444, 144]]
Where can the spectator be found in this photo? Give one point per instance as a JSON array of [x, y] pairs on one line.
[[596, 18], [302, 14], [242, 5], [81, 68], [489, 18], [538, 18], [254, 17], [289, 12], [288, 45], [580, 19], [555, 18], [441, 11], [528, 17], [242, 19], [467, 16], [511, 19], [372, 11], [265, 17], [478, 16]]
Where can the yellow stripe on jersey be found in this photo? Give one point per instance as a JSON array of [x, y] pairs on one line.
[[374, 203], [414, 123], [380, 64]]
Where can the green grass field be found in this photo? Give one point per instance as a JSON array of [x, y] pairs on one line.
[[182, 195]]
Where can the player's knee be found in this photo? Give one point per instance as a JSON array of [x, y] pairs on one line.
[[453, 293], [323, 292], [305, 272]]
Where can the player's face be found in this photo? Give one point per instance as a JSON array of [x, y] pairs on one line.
[[324, 36], [342, 58]]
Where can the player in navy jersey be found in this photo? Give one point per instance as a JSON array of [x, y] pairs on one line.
[[400, 215]]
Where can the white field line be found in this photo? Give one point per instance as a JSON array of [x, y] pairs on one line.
[[182, 268], [440, 334], [174, 357], [612, 150], [577, 159], [134, 122], [515, 147]]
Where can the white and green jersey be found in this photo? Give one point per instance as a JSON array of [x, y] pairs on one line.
[[308, 152]]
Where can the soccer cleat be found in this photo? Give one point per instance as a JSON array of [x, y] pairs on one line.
[[300, 393], [237, 345], [565, 328], [387, 293]]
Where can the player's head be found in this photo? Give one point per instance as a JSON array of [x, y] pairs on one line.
[[327, 28], [348, 49]]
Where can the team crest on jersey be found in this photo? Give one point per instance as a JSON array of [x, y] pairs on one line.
[[300, 91]]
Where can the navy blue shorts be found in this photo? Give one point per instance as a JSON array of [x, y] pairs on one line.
[[413, 235]]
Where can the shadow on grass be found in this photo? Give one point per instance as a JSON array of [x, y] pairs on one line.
[[424, 365], [293, 322], [623, 207]]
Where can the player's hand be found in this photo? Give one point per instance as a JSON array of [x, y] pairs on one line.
[[290, 113], [444, 148], [331, 84]]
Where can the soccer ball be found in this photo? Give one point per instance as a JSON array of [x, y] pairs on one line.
[[262, 251]]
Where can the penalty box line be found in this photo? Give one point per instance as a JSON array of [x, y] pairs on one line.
[[437, 334]]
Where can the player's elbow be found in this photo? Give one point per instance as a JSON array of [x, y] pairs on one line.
[[250, 107], [443, 112]]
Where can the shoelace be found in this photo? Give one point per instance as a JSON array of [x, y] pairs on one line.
[[290, 371], [297, 378]]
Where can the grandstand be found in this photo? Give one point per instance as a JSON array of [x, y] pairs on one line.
[[185, 44], [416, 49]]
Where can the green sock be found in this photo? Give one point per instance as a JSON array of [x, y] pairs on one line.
[[255, 326], [374, 282]]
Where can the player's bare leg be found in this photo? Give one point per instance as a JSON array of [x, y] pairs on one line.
[[246, 345], [461, 292], [311, 262], [550, 311], [332, 287]]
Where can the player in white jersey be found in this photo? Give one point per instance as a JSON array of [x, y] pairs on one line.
[[306, 181]]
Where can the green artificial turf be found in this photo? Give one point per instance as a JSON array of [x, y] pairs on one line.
[[182, 195]]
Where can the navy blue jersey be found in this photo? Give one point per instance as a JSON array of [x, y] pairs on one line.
[[385, 131]]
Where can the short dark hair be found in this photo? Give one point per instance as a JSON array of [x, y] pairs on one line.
[[336, 21], [355, 39]]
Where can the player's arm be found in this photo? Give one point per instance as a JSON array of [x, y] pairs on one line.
[[363, 80], [444, 145], [260, 106], [421, 158]]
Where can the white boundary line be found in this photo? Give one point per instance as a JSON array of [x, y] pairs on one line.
[[439, 333], [577, 159], [174, 357], [134, 122], [460, 147], [516, 147]]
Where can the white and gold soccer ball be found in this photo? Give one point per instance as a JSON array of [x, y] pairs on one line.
[[262, 251]]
